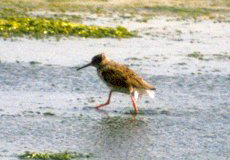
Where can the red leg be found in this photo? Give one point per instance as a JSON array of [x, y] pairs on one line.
[[106, 103], [134, 104]]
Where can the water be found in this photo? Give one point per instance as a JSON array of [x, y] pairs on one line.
[[188, 119]]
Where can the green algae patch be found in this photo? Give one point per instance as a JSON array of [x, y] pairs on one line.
[[54, 156], [19, 25], [48, 114], [196, 55]]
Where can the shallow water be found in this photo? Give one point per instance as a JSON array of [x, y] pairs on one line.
[[188, 119]]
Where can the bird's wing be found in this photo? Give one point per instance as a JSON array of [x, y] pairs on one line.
[[121, 76], [115, 77], [136, 81]]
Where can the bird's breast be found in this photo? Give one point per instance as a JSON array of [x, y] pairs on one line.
[[108, 83]]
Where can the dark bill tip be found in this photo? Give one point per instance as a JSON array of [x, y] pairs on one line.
[[87, 65]]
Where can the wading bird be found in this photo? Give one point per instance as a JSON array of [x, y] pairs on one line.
[[120, 78]]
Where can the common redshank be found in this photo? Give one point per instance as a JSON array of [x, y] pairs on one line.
[[120, 78]]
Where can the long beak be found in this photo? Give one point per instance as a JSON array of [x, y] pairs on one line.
[[87, 65]]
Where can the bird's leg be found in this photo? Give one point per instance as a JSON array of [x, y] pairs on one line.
[[134, 103], [106, 103]]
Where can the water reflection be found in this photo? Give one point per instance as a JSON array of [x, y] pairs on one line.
[[119, 136]]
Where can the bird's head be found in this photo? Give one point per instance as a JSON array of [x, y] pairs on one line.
[[97, 61]]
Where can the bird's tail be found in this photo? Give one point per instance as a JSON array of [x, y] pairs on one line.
[[151, 93], [140, 92]]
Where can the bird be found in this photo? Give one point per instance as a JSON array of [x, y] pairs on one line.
[[120, 78]]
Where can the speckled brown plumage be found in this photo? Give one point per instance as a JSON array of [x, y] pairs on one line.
[[120, 78]]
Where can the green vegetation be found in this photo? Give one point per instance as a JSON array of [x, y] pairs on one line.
[[196, 55], [185, 8], [54, 156], [34, 62], [48, 114], [184, 11], [222, 56], [18, 24]]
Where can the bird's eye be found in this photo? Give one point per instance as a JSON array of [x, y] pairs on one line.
[[97, 59]]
